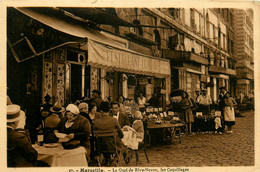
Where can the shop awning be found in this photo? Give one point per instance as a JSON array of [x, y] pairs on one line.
[[101, 55], [103, 51], [54, 19]]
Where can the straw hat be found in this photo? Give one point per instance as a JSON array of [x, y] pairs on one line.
[[13, 113]]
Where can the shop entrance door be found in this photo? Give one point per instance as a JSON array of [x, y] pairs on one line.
[[76, 82]]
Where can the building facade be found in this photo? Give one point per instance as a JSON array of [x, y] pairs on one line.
[[68, 52], [244, 51]]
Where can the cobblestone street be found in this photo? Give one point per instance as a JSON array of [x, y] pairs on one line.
[[236, 149]]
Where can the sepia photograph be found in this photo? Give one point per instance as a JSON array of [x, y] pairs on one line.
[[129, 88]]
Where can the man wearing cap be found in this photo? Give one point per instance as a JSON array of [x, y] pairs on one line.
[[197, 92], [20, 153], [96, 98]]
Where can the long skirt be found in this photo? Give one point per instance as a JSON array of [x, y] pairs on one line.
[[188, 116], [229, 115]]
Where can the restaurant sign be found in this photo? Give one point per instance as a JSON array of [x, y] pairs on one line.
[[126, 60]]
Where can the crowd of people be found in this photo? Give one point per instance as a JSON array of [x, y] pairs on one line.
[[80, 120]]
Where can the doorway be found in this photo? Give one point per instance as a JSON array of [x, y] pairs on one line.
[[76, 82]]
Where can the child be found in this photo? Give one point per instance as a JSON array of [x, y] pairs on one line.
[[218, 122]]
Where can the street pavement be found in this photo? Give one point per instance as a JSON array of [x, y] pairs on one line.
[[236, 149]]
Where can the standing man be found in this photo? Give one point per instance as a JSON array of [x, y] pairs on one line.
[[96, 98], [221, 103], [197, 92], [204, 101], [121, 117]]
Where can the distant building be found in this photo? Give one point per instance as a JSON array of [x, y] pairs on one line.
[[244, 50]]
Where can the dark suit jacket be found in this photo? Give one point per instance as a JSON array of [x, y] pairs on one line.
[[108, 123], [20, 152], [81, 129], [122, 119]]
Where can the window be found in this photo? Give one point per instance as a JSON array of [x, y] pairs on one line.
[[157, 38], [192, 19], [138, 28], [175, 12]]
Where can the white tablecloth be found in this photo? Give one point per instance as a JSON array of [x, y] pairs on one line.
[[59, 157]]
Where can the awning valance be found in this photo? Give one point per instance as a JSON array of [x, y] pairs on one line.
[[126, 61]]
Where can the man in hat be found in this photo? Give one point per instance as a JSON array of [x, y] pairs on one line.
[[20, 153], [197, 92], [52, 122], [96, 98]]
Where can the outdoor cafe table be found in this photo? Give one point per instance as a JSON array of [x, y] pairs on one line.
[[60, 157], [166, 124]]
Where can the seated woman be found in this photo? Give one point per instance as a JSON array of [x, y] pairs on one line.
[[135, 134], [76, 127], [138, 126]]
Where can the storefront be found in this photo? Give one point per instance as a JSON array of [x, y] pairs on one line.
[[125, 72], [71, 70]]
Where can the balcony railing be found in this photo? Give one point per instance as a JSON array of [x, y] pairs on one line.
[[222, 70], [184, 56]]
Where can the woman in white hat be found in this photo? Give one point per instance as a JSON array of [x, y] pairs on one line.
[[76, 127]]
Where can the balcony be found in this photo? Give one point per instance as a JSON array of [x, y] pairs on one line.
[[222, 70], [184, 56]]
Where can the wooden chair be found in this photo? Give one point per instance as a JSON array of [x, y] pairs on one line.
[[100, 135]]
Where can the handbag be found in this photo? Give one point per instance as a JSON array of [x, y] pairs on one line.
[[72, 144]]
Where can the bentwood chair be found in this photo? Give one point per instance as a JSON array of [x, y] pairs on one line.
[[101, 147]]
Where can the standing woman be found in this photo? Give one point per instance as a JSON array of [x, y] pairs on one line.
[[186, 105], [121, 104], [229, 113]]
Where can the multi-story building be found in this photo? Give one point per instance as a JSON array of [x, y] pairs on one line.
[[200, 47], [244, 50], [121, 51]]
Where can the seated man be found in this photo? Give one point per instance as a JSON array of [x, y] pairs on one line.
[[108, 123], [20, 152], [122, 118]]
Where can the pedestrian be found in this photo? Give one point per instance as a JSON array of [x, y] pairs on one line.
[[221, 104], [204, 102], [197, 92], [229, 113], [186, 105]]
